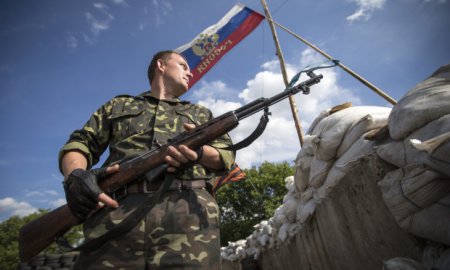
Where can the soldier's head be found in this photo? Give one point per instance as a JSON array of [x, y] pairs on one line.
[[164, 56], [171, 68]]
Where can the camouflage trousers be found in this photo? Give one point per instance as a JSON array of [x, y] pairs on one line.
[[180, 232]]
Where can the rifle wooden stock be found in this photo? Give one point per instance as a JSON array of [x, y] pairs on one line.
[[39, 233]]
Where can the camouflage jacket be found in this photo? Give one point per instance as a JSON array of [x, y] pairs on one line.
[[131, 126]]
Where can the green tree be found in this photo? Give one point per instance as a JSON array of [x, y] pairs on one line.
[[246, 203], [9, 235]]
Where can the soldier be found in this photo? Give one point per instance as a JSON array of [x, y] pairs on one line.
[[181, 230]]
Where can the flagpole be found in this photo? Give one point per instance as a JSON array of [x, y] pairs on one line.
[[348, 70], [283, 72]]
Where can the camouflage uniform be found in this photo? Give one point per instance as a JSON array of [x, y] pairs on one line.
[[180, 232]]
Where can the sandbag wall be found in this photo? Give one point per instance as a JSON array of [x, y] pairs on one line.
[[368, 184]]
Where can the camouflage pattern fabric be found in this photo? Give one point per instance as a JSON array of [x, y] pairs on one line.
[[131, 126], [179, 233]]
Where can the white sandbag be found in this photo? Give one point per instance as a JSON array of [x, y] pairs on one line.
[[438, 150], [287, 212], [319, 118], [289, 184], [304, 211], [360, 149], [302, 168], [306, 195], [432, 223], [402, 153], [400, 263], [409, 190], [365, 124], [329, 133], [283, 232], [318, 172], [426, 102]]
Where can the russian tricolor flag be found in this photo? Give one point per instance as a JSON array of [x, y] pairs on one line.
[[206, 49]]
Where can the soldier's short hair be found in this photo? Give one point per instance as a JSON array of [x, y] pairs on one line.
[[164, 56]]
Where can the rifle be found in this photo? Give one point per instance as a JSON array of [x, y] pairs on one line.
[[41, 232]]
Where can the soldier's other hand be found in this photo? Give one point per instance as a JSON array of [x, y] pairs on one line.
[[178, 156]]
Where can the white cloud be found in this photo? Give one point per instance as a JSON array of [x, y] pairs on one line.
[[215, 89], [72, 41], [280, 140], [44, 193], [365, 9], [120, 2], [101, 20], [11, 207], [162, 10]]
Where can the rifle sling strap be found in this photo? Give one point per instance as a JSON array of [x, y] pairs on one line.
[[126, 225], [255, 134]]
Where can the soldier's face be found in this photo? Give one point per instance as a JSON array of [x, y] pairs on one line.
[[177, 75]]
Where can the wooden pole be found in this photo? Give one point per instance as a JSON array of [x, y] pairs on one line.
[[348, 70], [283, 71]]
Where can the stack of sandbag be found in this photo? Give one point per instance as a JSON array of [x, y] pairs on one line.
[[333, 145], [285, 216], [268, 233], [418, 192], [234, 250]]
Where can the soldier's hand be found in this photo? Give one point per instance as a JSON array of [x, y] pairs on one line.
[[83, 193], [181, 154]]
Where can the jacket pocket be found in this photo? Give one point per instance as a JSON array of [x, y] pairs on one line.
[[127, 121]]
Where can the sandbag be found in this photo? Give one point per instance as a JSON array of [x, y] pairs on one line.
[[287, 211], [438, 152], [302, 170], [368, 122], [318, 172], [402, 264], [426, 102], [360, 149], [432, 223], [402, 153], [329, 133], [407, 191], [319, 118], [305, 210]]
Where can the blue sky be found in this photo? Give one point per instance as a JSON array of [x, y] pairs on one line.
[[60, 60]]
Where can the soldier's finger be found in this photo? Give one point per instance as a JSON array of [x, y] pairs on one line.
[[187, 152], [189, 126], [108, 200], [112, 169], [177, 155], [171, 161], [99, 172], [171, 169]]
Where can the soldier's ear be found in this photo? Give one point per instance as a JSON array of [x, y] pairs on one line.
[[160, 65]]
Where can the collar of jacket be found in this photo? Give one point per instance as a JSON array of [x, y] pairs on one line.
[[146, 94]]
